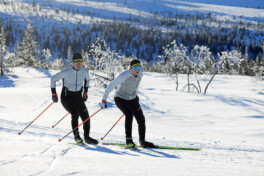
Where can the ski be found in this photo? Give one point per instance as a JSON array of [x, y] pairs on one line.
[[135, 148], [158, 147], [75, 143], [82, 144]]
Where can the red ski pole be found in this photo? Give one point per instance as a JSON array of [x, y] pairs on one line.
[[60, 120], [35, 119], [80, 124], [102, 138]]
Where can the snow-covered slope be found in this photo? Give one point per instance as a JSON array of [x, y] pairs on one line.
[[227, 123], [92, 11]]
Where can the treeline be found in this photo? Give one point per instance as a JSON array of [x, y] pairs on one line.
[[175, 59], [142, 42]]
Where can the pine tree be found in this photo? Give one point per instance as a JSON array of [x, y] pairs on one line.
[[46, 56], [28, 49]]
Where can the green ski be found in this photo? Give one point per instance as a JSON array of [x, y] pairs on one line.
[[158, 147]]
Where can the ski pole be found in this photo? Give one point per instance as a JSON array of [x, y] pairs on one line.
[[35, 119], [80, 124], [102, 138], [60, 120]]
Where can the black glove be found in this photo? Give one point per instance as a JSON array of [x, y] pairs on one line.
[[137, 98], [85, 97], [54, 95], [55, 98]]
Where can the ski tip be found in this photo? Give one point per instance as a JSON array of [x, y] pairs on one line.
[[19, 133], [59, 140], [102, 138], [52, 126]]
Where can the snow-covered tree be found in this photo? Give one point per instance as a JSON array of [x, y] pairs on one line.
[[46, 57], [104, 59], [57, 64], [230, 62], [69, 55], [203, 61], [203, 66], [28, 49], [2, 49], [175, 60]]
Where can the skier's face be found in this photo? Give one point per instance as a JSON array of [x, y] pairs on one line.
[[136, 70], [77, 65]]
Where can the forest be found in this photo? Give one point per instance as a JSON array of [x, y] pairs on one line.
[[231, 47]]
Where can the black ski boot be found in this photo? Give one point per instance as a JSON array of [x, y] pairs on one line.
[[145, 144], [77, 137], [90, 140], [130, 143]]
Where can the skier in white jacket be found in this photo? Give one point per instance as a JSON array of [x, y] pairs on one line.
[[73, 95], [127, 101]]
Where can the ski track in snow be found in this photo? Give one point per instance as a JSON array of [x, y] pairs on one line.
[[53, 160]]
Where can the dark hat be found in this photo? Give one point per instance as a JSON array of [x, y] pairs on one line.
[[77, 57], [135, 62]]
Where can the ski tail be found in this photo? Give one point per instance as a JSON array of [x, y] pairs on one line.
[[178, 148]]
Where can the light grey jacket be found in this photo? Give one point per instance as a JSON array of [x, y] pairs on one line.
[[126, 84], [72, 79]]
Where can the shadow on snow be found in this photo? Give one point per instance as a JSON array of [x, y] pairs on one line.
[[5, 81]]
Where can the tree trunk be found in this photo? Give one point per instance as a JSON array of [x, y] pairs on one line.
[[209, 82], [188, 82], [177, 82], [2, 70]]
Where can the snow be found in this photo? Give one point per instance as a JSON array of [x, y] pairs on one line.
[[227, 123]]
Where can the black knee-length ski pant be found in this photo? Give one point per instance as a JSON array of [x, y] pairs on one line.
[[132, 108], [74, 104]]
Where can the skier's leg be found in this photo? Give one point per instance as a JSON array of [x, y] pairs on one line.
[[140, 118], [122, 105], [68, 104], [83, 112]]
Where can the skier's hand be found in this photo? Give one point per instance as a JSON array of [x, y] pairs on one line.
[[55, 98], [85, 97], [137, 98], [104, 104]]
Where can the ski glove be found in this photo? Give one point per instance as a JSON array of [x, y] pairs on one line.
[[104, 104], [137, 98], [55, 98], [54, 95], [85, 96]]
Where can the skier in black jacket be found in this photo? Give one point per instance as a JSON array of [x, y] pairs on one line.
[[73, 95]]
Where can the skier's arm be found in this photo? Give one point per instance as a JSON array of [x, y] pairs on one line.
[[55, 78], [86, 86], [120, 79], [86, 82]]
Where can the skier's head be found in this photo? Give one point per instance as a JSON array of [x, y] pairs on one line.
[[135, 66], [135, 62], [77, 57], [77, 61]]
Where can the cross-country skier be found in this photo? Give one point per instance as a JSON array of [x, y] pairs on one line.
[[73, 95], [127, 101]]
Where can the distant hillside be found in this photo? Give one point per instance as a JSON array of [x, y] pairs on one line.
[[137, 27]]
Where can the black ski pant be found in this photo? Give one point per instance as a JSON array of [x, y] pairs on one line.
[[74, 104], [132, 108]]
